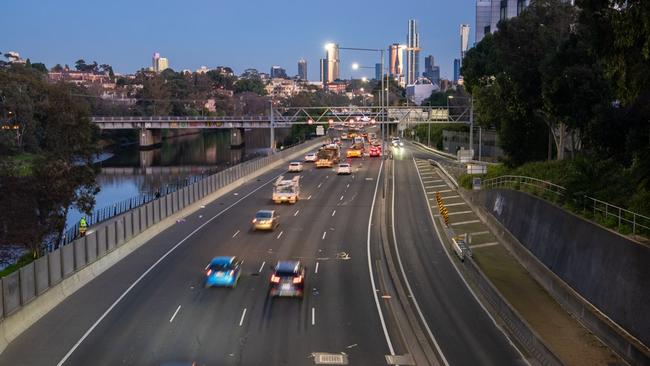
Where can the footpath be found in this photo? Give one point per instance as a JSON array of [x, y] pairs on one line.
[[563, 335]]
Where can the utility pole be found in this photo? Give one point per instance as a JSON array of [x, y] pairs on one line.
[[471, 125], [272, 125]]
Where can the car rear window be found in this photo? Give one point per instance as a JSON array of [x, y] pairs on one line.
[[294, 164], [344, 165], [220, 267], [263, 215]]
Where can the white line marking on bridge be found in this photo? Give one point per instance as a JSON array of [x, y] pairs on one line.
[[454, 204], [324, 233], [341, 199], [437, 186], [261, 267], [491, 244], [235, 234], [296, 214], [279, 235], [243, 314], [465, 222], [143, 275], [333, 213], [316, 269], [313, 316], [175, 312]]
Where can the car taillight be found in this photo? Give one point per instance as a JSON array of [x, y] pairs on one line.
[[275, 279], [297, 279], [209, 272]]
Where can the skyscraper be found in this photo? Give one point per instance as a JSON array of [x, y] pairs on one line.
[[330, 65], [278, 73], [377, 71], [456, 70], [302, 69], [431, 71], [483, 19], [159, 64], [412, 52], [396, 60], [464, 39]]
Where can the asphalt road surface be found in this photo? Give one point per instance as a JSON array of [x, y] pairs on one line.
[[151, 307]]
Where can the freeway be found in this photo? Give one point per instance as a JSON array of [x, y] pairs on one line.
[[151, 308]]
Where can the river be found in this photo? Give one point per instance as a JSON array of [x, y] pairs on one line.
[[129, 172]]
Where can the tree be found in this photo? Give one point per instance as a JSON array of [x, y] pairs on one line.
[[252, 84]]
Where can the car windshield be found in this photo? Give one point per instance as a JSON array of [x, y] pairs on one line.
[[284, 190], [264, 215]]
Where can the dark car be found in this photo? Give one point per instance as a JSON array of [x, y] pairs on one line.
[[288, 279]]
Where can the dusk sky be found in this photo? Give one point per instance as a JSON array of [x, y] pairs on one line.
[[240, 34]]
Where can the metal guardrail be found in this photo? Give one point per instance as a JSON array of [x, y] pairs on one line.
[[637, 222]]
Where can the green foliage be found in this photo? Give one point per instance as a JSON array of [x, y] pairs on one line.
[[22, 261], [253, 84], [45, 165]]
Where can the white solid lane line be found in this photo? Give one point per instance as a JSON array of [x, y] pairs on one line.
[[324, 233], [333, 213], [316, 269], [262, 266], [372, 276], [296, 214], [143, 275], [313, 316], [175, 312], [243, 314], [279, 235], [235, 234]]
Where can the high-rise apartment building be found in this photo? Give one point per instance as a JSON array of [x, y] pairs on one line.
[[302, 69], [278, 73], [412, 52], [490, 12], [456, 70], [395, 60], [159, 64], [464, 39], [331, 64], [431, 71]]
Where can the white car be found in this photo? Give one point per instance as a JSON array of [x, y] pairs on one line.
[[295, 166], [344, 168], [311, 157]]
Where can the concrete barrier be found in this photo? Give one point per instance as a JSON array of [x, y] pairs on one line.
[[576, 249], [10, 294], [41, 274], [27, 283], [72, 266], [54, 267], [156, 210]]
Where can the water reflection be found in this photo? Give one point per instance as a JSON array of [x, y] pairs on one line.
[[131, 172]]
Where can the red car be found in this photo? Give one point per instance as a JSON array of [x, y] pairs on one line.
[[375, 151]]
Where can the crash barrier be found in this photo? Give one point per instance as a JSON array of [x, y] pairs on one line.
[[23, 287], [597, 275]]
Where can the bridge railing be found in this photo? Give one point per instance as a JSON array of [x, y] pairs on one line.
[[625, 221]]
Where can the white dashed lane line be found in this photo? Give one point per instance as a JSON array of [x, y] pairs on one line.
[[235, 234], [279, 235], [175, 312], [296, 214], [324, 233], [316, 269], [333, 213], [243, 315], [261, 267]]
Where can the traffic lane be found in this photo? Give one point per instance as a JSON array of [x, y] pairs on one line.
[[456, 319], [141, 350], [136, 325], [335, 328], [70, 319]]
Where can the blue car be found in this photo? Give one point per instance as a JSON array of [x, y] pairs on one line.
[[222, 272]]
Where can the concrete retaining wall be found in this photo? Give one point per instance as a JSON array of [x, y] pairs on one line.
[[597, 275], [38, 287]]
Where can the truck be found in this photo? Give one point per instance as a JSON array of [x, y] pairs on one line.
[[286, 190], [327, 156], [356, 150]]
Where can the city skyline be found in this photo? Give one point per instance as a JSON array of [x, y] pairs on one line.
[[67, 31]]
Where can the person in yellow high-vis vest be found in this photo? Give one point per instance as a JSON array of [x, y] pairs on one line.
[[83, 225]]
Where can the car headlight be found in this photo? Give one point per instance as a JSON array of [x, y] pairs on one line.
[[401, 144]]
